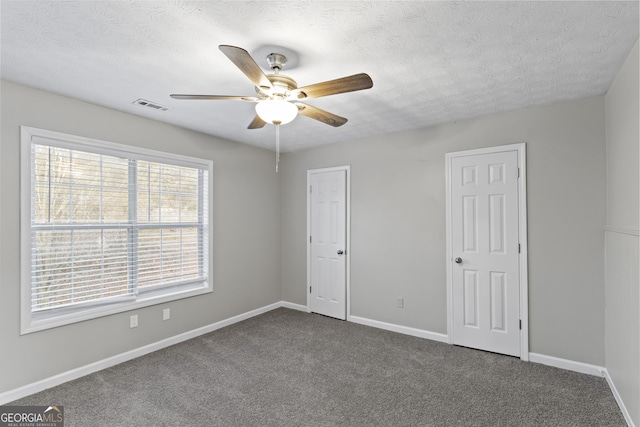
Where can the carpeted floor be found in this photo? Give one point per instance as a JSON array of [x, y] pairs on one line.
[[288, 368]]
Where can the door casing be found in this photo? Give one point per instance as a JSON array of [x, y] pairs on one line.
[[347, 254], [522, 238]]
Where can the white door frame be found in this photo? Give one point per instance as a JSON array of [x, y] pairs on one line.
[[522, 238], [347, 169]]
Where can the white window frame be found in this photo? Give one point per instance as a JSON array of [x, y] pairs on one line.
[[32, 322]]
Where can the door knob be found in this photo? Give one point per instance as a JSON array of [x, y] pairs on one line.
[[458, 260], [340, 252]]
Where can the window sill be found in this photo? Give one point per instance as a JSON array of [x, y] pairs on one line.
[[55, 318]]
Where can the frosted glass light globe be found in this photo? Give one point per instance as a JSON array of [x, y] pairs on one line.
[[276, 111]]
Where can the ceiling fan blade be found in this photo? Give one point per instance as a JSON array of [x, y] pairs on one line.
[[332, 87], [320, 115], [247, 65], [215, 97], [256, 123]]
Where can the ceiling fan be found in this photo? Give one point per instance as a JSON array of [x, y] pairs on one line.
[[278, 100], [278, 96]]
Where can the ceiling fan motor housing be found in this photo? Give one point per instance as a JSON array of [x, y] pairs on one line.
[[281, 85]]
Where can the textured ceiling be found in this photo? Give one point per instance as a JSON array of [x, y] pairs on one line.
[[431, 62]]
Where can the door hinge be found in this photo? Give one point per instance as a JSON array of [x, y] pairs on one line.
[[518, 247], [309, 289], [309, 239], [310, 189], [520, 323], [518, 172]]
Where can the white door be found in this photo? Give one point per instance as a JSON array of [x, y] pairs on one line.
[[485, 252], [327, 225]]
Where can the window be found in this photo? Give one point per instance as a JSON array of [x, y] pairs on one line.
[[108, 228]]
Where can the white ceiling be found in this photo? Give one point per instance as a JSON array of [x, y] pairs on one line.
[[431, 62]]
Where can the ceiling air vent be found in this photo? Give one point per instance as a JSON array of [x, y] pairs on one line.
[[150, 104]]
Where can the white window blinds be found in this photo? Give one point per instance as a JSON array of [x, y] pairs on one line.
[[109, 226], [79, 227]]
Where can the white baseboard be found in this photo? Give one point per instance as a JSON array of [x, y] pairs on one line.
[[623, 408], [293, 306], [26, 390], [381, 325], [420, 333], [584, 368], [569, 365]]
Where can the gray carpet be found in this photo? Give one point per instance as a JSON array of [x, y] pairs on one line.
[[287, 368]]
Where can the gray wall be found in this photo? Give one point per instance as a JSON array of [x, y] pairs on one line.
[[246, 223], [398, 222], [398, 228], [622, 322]]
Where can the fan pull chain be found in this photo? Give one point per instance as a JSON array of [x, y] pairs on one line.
[[277, 144]]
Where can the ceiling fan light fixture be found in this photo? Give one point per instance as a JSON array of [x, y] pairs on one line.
[[276, 111]]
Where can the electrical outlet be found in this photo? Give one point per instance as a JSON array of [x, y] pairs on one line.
[[133, 321], [400, 302], [166, 314]]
